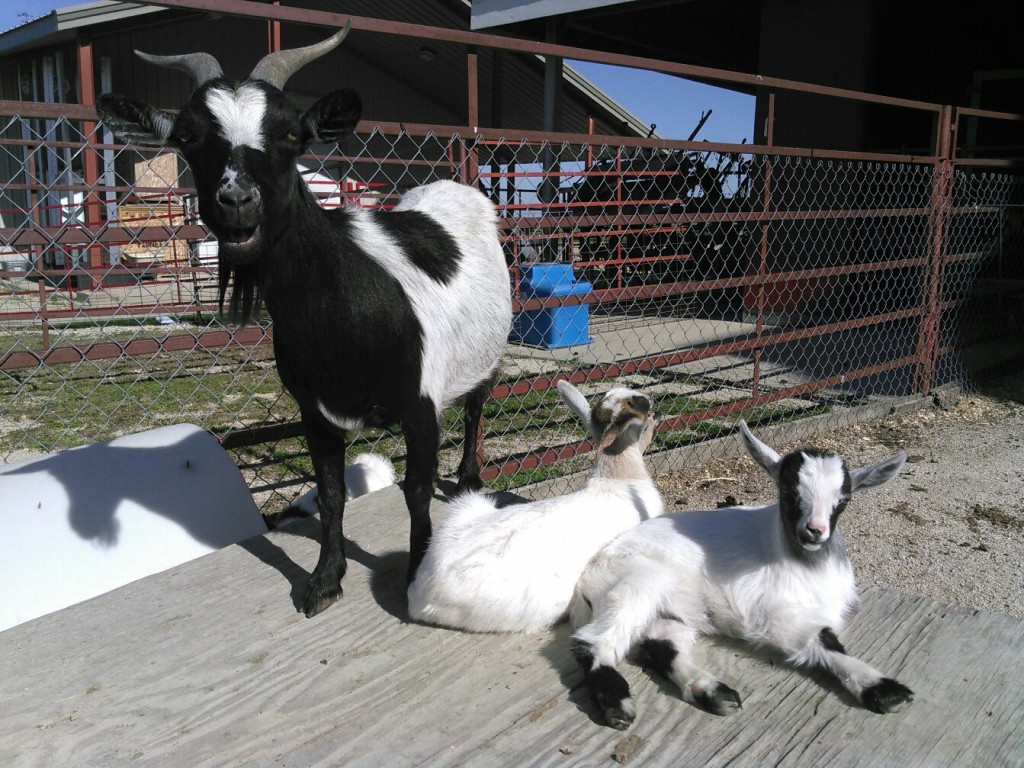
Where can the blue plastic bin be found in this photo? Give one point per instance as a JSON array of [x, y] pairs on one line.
[[553, 327]]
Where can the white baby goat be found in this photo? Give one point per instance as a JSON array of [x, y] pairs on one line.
[[513, 569], [775, 576], [368, 472]]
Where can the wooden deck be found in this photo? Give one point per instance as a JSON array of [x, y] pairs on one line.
[[211, 664]]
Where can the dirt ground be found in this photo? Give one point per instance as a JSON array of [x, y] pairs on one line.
[[950, 527]]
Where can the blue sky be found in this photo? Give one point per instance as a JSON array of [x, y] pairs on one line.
[[673, 104]]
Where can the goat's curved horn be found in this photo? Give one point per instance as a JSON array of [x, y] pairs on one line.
[[202, 66], [275, 68]]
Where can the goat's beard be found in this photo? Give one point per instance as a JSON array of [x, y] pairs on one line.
[[246, 290]]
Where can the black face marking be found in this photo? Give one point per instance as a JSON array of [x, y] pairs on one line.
[[830, 641], [789, 503], [641, 403], [427, 243]]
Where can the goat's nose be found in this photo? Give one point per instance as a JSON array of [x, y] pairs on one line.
[[816, 532], [235, 195]]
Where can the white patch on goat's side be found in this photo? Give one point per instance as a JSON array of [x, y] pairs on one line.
[[477, 297], [239, 113], [820, 489], [341, 422]]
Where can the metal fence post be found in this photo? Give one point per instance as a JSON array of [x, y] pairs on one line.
[[762, 267], [941, 200]]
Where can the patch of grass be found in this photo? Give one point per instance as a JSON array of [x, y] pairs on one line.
[[993, 516], [904, 510]]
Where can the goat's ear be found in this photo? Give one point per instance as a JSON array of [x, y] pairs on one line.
[[877, 474], [575, 400], [333, 117], [629, 436], [761, 453], [134, 122]]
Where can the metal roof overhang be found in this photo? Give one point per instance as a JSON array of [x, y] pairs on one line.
[[60, 26], [497, 13], [721, 34]]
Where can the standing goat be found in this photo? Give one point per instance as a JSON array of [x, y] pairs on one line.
[[775, 576], [513, 568], [379, 317]]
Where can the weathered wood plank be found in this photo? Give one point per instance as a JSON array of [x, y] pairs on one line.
[[211, 664]]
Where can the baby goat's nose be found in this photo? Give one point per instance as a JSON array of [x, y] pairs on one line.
[[816, 532]]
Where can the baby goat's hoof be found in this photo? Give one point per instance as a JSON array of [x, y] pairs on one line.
[[720, 700], [317, 600], [886, 696], [610, 692], [620, 716]]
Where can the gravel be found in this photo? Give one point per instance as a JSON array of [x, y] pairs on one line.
[[950, 526]]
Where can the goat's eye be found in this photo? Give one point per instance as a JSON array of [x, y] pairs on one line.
[[292, 136]]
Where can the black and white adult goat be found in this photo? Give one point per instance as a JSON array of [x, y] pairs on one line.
[[513, 568], [379, 317], [775, 576]]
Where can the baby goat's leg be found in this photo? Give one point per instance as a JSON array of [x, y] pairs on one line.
[[668, 650], [621, 615], [422, 437], [875, 691], [469, 467], [327, 450]]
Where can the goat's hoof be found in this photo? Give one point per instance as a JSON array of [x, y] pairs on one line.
[[720, 700], [886, 696], [620, 716], [469, 483], [318, 600]]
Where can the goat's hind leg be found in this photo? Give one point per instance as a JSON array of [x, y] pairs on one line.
[[876, 692], [422, 437], [472, 420], [667, 650]]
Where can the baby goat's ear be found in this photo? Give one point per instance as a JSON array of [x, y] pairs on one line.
[[575, 401], [629, 436], [761, 453], [877, 474]]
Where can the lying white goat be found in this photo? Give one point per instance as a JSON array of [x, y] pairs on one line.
[[368, 472], [508, 569], [775, 576]]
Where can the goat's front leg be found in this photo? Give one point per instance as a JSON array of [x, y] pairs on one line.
[[619, 616], [874, 690], [668, 651], [327, 449], [422, 437]]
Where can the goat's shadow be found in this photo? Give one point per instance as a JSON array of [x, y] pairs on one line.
[[825, 680], [387, 569], [98, 478]]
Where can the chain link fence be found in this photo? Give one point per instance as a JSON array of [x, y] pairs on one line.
[[725, 282]]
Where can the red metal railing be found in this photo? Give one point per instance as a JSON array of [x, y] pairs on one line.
[[812, 236]]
